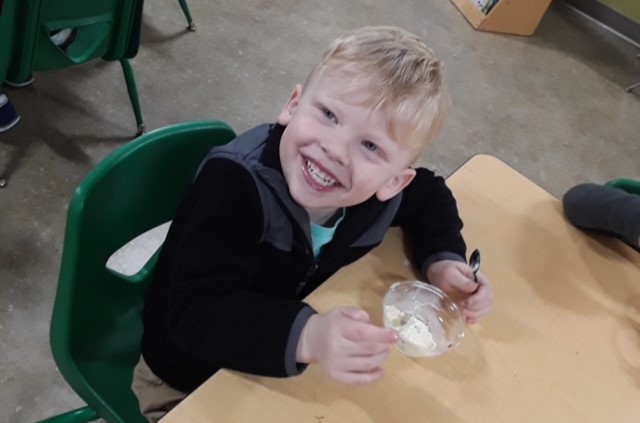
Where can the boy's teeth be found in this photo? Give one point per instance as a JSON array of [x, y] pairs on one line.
[[319, 176]]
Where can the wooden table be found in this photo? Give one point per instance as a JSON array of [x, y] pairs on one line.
[[562, 343]]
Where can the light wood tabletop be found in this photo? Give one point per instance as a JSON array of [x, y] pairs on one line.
[[562, 343]]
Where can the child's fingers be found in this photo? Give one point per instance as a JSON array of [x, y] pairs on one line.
[[361, 378], [464, 281], [367, 349], [357, 370], [474, 316], [365, 369], [355, 314], [479, 304], [481, 299], [483, 296], [482, 279], [362, 332], [368, 362]]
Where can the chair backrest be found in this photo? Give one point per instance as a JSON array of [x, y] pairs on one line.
[[104, 28], [96, 324]]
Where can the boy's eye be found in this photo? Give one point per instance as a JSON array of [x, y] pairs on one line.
[[370, 146], [329, 114]]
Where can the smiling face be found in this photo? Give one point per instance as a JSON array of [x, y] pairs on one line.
[[336, 151]]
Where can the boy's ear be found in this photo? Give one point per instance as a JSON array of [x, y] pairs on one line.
[[287, 111], [396, 184]]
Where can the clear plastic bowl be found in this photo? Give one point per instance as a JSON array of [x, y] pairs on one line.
[[427, 321]]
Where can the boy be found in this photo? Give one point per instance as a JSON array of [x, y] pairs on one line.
[[272, 215]]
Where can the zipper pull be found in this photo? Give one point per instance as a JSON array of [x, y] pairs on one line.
[[311, 271], [305, 279]]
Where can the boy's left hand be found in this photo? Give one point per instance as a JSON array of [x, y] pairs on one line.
[[456, 280]]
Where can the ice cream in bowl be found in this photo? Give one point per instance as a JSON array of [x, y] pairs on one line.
[[427, 321]]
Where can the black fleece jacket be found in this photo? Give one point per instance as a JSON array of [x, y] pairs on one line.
[[237, 261]]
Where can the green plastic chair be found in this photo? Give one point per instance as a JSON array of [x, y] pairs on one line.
[[8, 19], [96, 323], [631, 186], [104, 29]]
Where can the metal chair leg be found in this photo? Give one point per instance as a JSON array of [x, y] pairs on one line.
[[133, 94], [187, 14], [632, 87]]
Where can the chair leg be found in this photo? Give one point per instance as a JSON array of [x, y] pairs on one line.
[[632, 87], [80, 415], [133, 94], [20, 82], [187, 14]]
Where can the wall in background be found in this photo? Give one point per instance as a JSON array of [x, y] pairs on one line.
[[623, 16], [628, 8]]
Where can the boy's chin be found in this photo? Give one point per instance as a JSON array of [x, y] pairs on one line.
[[318, 200]]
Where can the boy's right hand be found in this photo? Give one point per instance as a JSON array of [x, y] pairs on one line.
[[348, 347]]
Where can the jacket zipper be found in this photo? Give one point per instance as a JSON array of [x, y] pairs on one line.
[[303, 282]]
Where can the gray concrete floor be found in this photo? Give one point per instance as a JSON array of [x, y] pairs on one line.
[[551, 105]]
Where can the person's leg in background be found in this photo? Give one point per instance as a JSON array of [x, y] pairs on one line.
[[156, 398], [8, 119], [605, 209]]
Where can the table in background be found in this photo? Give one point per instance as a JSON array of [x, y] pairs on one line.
[[562, 343]]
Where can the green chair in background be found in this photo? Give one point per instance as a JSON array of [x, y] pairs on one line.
[[96, 323], [631, 186], [8, 18], [107, 29]]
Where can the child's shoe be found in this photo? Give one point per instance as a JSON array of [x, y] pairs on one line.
[[8, 115]]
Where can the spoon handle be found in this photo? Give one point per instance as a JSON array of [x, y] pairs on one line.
[[474, 263]]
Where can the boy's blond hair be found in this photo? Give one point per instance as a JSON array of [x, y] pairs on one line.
[[404, 77]]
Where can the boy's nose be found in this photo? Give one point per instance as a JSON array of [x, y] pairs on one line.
[[336, 150]]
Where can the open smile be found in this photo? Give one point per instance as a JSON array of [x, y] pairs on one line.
[[319, 178]]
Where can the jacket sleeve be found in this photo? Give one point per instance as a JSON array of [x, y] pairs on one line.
[[214, 314], [429, 217]]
